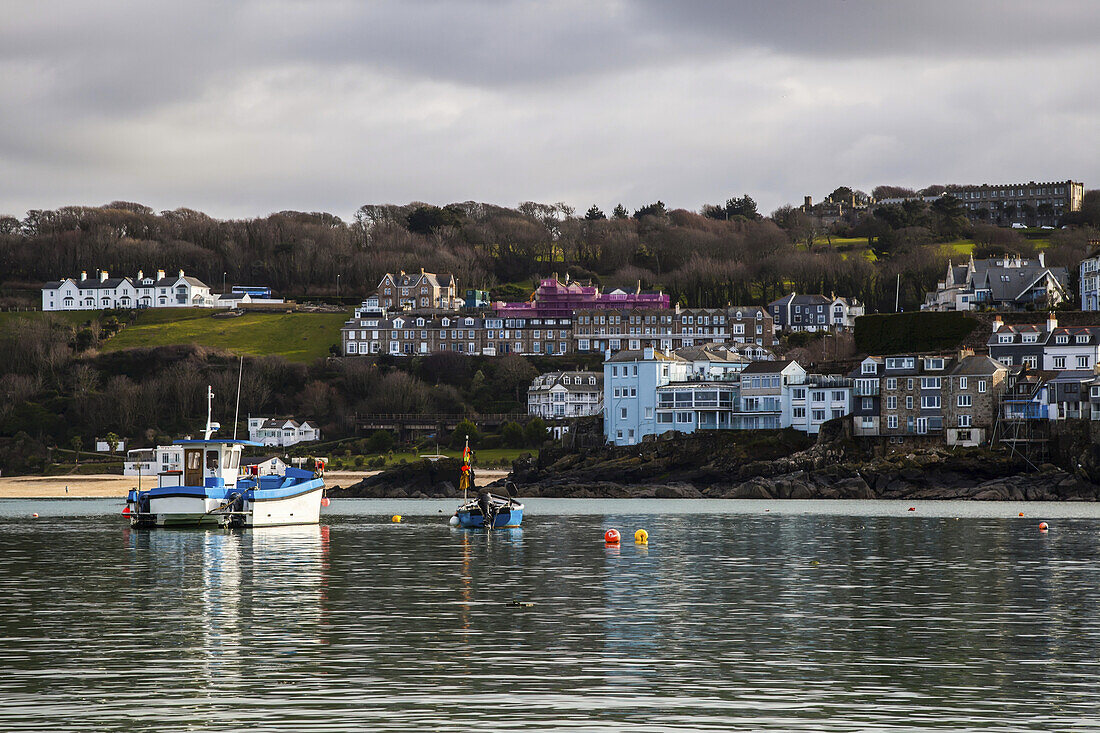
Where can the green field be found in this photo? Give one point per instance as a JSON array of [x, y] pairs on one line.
[[296, 336]]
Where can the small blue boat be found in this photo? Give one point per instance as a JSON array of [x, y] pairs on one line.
[[487, 511], [503, 512]]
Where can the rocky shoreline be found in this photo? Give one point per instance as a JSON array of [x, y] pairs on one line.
[[758, 465]]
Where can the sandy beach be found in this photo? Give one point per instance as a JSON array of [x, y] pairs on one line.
[[111, 486]]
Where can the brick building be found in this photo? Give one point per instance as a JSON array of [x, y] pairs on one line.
[[597, 330], [418, 291]]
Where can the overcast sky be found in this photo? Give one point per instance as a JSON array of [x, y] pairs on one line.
[[244, 108]]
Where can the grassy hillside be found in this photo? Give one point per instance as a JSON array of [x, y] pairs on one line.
[[296, 336]]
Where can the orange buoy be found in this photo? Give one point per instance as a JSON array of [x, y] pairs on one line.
[[1042, 526], [611, 536], [1021, 514], [35, 515], [325, 501]]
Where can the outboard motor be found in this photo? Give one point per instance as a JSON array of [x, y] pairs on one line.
[[483, 504]]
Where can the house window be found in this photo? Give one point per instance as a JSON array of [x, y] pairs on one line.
[[909, 402], [892, 383], [1083, 362], [892, 422], [964, 421], [964, 400], [930, 402], [962, 382], [981, 385], [892, 402], [622, 413], [1059, 362]]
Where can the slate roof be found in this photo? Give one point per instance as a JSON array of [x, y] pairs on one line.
[[977, 366], [1019, 279], [711, 352], [767, 367], [548, 381]]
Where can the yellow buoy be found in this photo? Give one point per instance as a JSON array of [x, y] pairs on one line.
[[396, 518], [641, 537]]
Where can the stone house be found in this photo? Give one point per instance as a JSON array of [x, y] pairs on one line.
[[971, 397]]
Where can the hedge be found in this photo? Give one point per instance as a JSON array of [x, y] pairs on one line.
[[896, 333]]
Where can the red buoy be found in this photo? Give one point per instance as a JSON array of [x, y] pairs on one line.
[[611, 536], [1043, 527], [126, 510], [324, 501], [912, 509]]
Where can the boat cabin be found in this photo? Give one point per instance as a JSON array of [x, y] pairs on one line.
[[207, 463]]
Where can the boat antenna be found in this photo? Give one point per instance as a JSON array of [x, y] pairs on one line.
[[237, 409]]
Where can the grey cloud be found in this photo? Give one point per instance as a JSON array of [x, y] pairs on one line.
[[244, 108]]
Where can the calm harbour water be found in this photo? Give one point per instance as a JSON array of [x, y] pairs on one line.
[[826, 616]]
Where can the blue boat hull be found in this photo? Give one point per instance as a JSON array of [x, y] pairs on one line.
[[505, 518]]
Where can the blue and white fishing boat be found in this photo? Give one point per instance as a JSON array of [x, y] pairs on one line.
[[210, 490], [487, 511]]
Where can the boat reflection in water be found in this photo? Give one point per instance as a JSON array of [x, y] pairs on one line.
[[224, 591]]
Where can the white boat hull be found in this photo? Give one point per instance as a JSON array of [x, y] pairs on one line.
[[301, 509], [184, 510]]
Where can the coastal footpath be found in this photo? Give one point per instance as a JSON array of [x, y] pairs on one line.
[[781, 464]]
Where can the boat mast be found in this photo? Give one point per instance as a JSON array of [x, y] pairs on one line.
[[237, 410], [209, 411]]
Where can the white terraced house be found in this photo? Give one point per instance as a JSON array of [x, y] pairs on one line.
[[281, 431], [566, 394], [104, 292]]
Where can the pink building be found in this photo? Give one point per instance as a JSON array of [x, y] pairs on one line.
[[554, 299]]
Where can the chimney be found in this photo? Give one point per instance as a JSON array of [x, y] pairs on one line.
[[181, 273], [1042, 259], [83, 275], [102, 275], [160, 274], [638, 288], [964, 352], [1052, 321], [808, 203], [997, 323], [421, 270], [141, 275]]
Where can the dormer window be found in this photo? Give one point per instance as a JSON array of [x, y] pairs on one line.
[[869, 367], [1061, 339], [566, 380], [469, 321], [591, 380], [1082, 338], [1031, 338], [933, 364], [420, 322], [446, 322], [1004, 338]]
